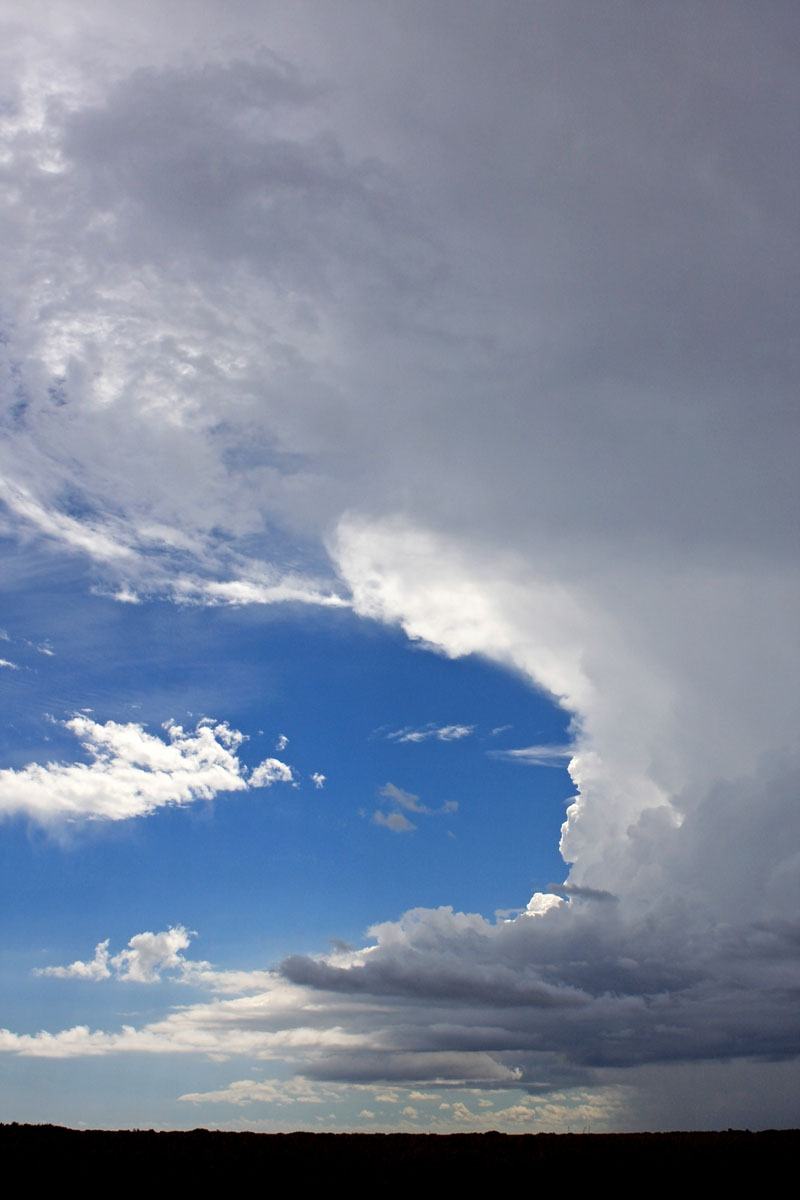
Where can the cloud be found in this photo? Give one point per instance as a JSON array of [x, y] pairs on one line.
[[410, 803], [282, 743], [318, 779], [443, 733], [403, 799], [146, 956], [4, 662], [530, 397], [570, 891], [270, 771], [266, 1091], [132, 773], [536, 756], [394, 821], [172, 302], [96, 969]]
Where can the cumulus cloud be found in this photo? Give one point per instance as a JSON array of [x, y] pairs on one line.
[[270, 771], [146, 956], [318, 779], [269, 1091], [133, 773], [97, 968]]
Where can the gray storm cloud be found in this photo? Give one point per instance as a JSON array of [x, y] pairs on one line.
[[501, 330]]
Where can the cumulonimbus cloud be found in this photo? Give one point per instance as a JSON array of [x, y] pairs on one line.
[[536, 395]]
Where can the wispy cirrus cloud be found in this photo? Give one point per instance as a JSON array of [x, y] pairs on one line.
[[441, 733], [536, 756]]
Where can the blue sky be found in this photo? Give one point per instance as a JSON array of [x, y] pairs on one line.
[[399, 642], [311, 857]]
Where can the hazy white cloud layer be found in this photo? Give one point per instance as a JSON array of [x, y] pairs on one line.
[[489, 313]]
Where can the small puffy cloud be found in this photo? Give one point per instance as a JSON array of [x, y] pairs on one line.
[[464, 1115], [394, 821], [369, 1116], [270, 771], [146, 956], [150, 953], [442, 733], [265, 1091], [132, 773], [4, 662], [281, 743], [318, 779], [410, 1112], [95, 969]]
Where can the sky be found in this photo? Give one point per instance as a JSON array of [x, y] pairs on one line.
[[398, 496]]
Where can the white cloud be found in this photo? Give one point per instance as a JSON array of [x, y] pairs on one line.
[[4, 662], [149, 954], [270, 771], [442, 733], [318, 779], [96, 969], [132, 773], [265, 1091], [146, 956], [536, 756], [282, 743]]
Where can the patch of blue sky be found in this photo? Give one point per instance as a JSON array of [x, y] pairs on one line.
[[270, 871]]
